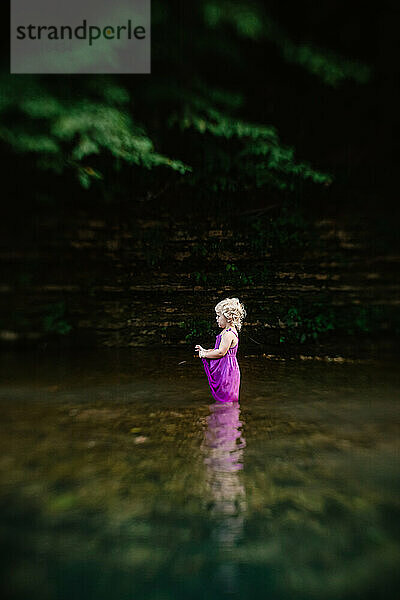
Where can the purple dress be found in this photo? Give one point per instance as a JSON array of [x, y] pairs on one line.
[[223, 373]]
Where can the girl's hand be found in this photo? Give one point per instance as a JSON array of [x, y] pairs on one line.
[[199, 348]]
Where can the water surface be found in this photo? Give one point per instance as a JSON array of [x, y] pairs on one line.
[[121, 478]]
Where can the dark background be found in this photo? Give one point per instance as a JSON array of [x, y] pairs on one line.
[[160, 227]]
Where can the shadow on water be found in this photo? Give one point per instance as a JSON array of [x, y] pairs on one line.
[[120, 480]]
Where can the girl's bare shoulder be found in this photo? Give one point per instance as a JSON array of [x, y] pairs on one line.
[[230, 331]]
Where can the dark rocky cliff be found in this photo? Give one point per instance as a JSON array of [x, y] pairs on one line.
[[141, 276]]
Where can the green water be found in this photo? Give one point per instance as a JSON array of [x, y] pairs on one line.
[[122, 479]]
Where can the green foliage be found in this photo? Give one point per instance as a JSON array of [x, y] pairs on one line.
[[153, 244], [247, 20], [197, 328], [236, 276], [250, 21], [302, 327], [232, 275], [201, 250], [289, 230], [43, 319], [311, 321], [68, 133], [324, 64], [243, 155], [98, 126], [104, 125], [199, 277], [54, 319]]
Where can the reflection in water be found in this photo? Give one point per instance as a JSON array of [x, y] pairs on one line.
[[223, 449]]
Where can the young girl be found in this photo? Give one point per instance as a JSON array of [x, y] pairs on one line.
[[220, 363]]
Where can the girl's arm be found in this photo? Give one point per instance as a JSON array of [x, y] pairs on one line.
[[214, 353], [224, 346]]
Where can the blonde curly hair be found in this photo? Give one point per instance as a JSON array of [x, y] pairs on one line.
[[233, 310]]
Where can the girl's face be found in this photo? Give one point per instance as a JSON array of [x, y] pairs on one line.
[[221, 320]]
